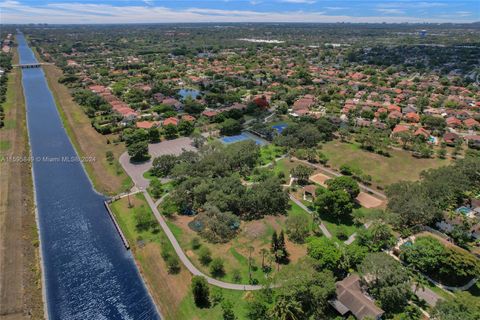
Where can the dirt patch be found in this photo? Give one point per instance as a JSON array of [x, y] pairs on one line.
[[320, 179], [368, 201], [254, 229]]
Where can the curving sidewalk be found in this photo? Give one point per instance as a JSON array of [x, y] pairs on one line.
[[186, 262]]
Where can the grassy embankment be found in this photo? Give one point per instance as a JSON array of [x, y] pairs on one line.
[[401, 165], [20, 270], [171, 292], [108, 178]]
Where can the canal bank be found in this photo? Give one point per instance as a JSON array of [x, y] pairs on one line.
[[88, 272], [20, 267]]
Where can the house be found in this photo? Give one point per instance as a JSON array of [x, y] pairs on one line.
[[209, 113], [189, 118], [453, 122], [172, 103], [451, 138], [400, 128], [351, 298], [409, 109], [412, 117], [309, 192], [422, 132], [395, 115], [146, 124], [171, 120], [471, 123], [473, 141]]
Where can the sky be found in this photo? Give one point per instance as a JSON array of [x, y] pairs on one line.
[[161, 11]]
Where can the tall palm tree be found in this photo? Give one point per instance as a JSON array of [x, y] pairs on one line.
[[286, 309]]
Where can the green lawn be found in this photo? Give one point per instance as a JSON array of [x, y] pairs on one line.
[[269, 153], [4, 145], [384, 170], [188, 310]]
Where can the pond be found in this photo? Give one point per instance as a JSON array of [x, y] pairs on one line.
[[186, 92]]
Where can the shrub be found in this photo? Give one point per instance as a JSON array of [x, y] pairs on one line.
[[173, 264], [216, 267], [195, 243], [205, 256]]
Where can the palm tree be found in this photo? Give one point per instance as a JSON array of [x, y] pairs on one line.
[[263, 251], [250, 251], [286, 309]]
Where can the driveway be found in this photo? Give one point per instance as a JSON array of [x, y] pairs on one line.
[[136, 170]]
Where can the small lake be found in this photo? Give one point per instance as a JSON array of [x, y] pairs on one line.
[[88, 272]]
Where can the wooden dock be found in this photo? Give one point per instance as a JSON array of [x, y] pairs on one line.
[[117, 226]]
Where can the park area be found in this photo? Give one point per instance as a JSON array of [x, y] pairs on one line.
[[401, 165], [253, 239], [150, 247]]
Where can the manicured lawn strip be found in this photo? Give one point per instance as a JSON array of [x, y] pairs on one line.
[[384, 170]]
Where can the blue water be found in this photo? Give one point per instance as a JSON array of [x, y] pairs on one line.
[[88, 272], [242, 137], [185, 93], [280, 127]]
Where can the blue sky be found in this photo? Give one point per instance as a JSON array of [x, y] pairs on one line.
[[151, 11]]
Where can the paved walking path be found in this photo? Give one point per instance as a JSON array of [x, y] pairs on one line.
[[304, 207], [186, 262], [334, 173]]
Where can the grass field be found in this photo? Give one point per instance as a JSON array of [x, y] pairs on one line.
[[171, 292], [269, 153], [107, 178], [384, 170], [256, 234]]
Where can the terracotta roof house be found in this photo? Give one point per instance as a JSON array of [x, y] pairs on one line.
[[395, 115], [188, 117], [422, 132], [451, 138], [350, 298], [400, 128], [393, 107], [471, 123], [209, 113], [304, 103], [146, 124], [412, 117], [170, 120], [453, 122]]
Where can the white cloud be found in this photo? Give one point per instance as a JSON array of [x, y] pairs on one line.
[[391, 11], [463, 13], [299, 1], [78, 13], [335, 8]]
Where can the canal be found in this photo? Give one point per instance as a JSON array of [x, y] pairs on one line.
[[88, 272]]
